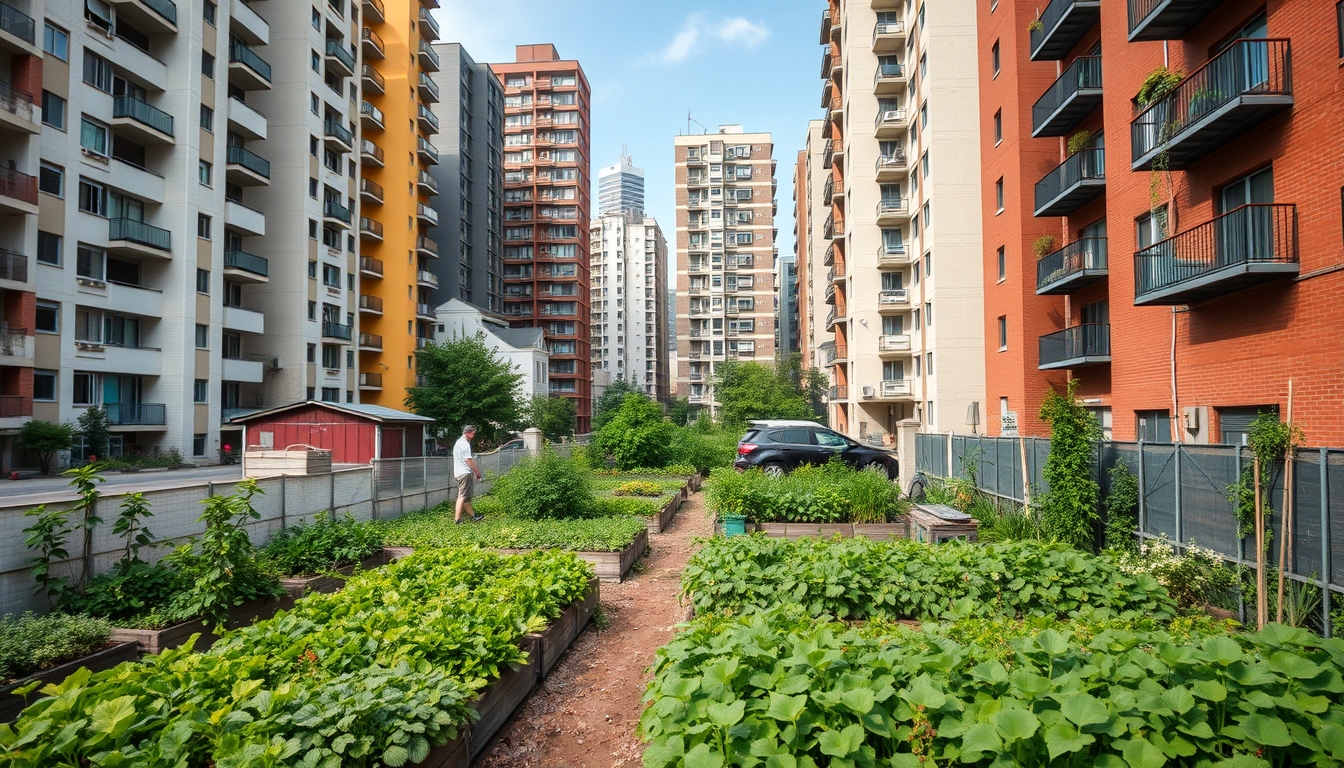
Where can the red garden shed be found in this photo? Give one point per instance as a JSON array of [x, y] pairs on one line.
[[354, 433]]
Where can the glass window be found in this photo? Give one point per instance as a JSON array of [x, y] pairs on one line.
[[207, 118], [51, 179], [998, 195], [56, 41], [53, 110], [207, 65], [97, 71], [203, 173], [198, 445], [44, 386], [48, 317], [93, 136], [202, 336], [830, 439], [209, 12], [202, 280], [1003, 266], [998, 127], [994, 58], [1003, 332], [92, 198], [48, 248], [85, 387], [204, 226]]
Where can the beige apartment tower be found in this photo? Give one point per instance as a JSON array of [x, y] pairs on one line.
[[726, 252]]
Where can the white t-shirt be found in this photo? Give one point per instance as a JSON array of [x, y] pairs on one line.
[[461, 452]]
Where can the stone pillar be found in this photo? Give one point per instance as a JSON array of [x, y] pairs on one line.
[[906, 429], [532, 441]]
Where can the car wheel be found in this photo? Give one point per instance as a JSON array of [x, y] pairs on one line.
[[773, 469]]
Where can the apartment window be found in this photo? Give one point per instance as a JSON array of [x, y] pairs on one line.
[[928, 264], [928, 216], [204, 172], [204, 225], [928, 363], [93, 137], [998, 196], [349, 358], [48, 248], [48, 318], [924, 164], [312, 188], [331, 276], [202, 280], [331, 356], [312, 310], [207, 118], [202, 336], [198, 445], [200, 391], [1154, 426], [44, 386], [53, 110], [1003, 333], [85, 386], [92, 198], [312, 270], [1003, 265], [923, 66], [924, 115], [1339, 25], [207, 65], [317, 19], [928, 311], [998, 127], [97, 71], [1151, 227], [331, 394], [56, 41], [312, 230], [314, 105], [915, 316], [209, 12], [89, 263], [51, 179]]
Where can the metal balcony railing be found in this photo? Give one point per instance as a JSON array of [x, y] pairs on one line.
[[888, 72], [896, 296], [373, 113], [424, 114], [377, 7], [428, 58], [249, 160], [139, 232], [339, 132], [1073, 183], [1072, 96], [333, 330], [337, 50], [242, 54], [18, 23], [429, 85], [16, 101], [334, 210], [18, 185], [428, 24], [371, 189], [370, 226], [892, 207], [248, 262], [423, 243], [143, 113], [165, 8], [1077, 264], [838, 391], [1061, 25], [136, 414], [372, 150], [1166, 19], [374, 76], [373, 44], [371, 265], [371, 380], [427, 277], [13, 266], [427, 213], [370, 341], [427, 149], [1077, 346], [424, 179], [370, 302]]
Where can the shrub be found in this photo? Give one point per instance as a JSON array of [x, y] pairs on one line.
[[704, 447], [1193, 578], [1122, 504], [129, 593], [545, 486], [834, 493], [325, 544], [30, 643], [1069, 510], [636, 435], [638, 488]]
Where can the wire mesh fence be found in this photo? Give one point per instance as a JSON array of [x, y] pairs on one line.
[[1185, 494]]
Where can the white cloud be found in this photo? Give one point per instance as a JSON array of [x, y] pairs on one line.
[[700, 27]]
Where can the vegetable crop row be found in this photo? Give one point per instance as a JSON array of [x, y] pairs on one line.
[[435, 529]]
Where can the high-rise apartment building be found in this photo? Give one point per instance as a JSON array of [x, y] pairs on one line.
[[1174, 182], [809, 212], [628, 270], [786, 306], [398, 252], [725, 196], [620, 188], [904, 280], [471, 151], [546, 205]]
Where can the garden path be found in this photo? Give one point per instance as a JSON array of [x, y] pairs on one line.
[[585, 715]]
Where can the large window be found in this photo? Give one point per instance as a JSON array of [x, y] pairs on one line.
[[92, 198], [97, 71], [56, 41], [48, 248], [1154, 426], [53, 110], [93, 136], [51, 179]]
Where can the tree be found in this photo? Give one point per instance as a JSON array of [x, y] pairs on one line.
[[747, 391], [46, 440], [466, 383], [636, 435], [554, 416], [1069, 510], [612, 398], [94, 428], [679, 411]]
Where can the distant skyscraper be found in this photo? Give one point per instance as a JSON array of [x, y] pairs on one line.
[[620, 188]]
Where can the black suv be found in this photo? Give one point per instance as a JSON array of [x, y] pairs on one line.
[[780, 446]]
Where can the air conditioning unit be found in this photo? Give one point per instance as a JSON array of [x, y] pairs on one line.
[[869, 393], [275, 364]]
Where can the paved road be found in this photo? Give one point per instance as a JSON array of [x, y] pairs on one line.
[[42, 490]]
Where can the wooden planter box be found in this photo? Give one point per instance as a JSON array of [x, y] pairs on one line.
[[11, 705], [159, 640], [937, 523], [883, 531], [609, 566], [497, 702], [331, 582], [562, 632], [454, 754], [773, 530], [874, 531], [824, 530], [659, 522]]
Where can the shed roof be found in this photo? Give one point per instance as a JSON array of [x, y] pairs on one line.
[[373, 412]]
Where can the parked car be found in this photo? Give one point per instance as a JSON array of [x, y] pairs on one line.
[[780, 446]]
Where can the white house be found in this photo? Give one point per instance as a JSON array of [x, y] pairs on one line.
[[525, 348]]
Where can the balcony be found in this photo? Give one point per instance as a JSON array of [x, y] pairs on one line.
[[136, 414], [334, 330], [1072, 97], [428, 122], [429, 28], [891, 167], [149, 124], [893, 345], [246, 167], [13, 266], [1062, 25], [893, 211], [16, 109], [370, 191], [893, 256], [825, 27], [1076, 265], [893, 301], [1073, 184], [337, 136], [1075, 347], [138, 238], [17, 346], [372, 79], [1246, 84], [370, 341], [426, 184], [249, 370], [159, 16], [829, 296], [838, 392], [335, 213], [429, 60], [370, 116], [426, 215], [370, 267], [888, 37], [245, 320], [249, 220], [429, 92], [835, 316], [890, 124], [426, 247], [370, 304], [370, 154], [373, 9], [896, 388], [836, 353], [1244, 247], [372, 45], [827, 154], [246, 121], [18, 192], [370, 230], [1166, 19], [247, 267], [426, 151], [18, 31], [248, 70], [890, 79], [247, 24], [340, 58], [370, 381], [426, 279], [425, 312]]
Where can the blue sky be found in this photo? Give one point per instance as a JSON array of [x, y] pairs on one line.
[[754, 62]]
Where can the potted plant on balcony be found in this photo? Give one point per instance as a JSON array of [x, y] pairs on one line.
[[1078, 142], [1204, 100], [1043, 245]]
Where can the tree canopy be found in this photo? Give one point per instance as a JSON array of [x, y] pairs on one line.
[[612, 398], [636, 435], [751, 390], [467, 383], [554, 416], [45, 439]]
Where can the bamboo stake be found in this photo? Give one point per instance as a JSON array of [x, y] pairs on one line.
[[1026, 479], [1286, 525], [1261, 604]]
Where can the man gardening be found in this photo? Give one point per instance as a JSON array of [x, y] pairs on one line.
[[466, 474]]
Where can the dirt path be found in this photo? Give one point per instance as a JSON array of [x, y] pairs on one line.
[[585, 715]]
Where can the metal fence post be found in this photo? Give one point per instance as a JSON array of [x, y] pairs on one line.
[[950, 472], [373, 489], [1241, 540], [1143, 498], [401, 486], [1180, 528], [284, 512], [332, 508], [1326, 565]]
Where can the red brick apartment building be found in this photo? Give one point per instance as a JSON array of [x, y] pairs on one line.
[[1197, 260], [547, 129]]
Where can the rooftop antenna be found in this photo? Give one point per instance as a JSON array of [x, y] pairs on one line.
[[625, 156], [690, 120]]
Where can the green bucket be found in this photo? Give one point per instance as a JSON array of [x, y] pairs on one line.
[[734, 525]]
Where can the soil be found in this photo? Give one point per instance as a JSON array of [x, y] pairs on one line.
[[586, 714]]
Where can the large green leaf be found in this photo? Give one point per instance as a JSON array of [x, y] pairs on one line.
[[1015, 724], [1141, 753], [1294, 666], [1061, 739], [923, 693], [701, 756], [980, 738], [841, 743], [727, 715], [1083, 709], [112, 718], [786, 708], [1265, 729]]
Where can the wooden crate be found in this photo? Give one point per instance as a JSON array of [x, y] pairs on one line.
[[107, 658], [937, 523], [264, 463]]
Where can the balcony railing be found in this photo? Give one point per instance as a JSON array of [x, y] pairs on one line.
[[165, 8], [1076, 347], [339, 132], [1240, 248], [371, 112], [15, 342], [888, 72], [337, 50], [429, 86], [1166, 19], [18, 185], [248, 262], [371, 151], [371, 265], [13, 266], [892, 255], [371, 189], [897, 388], [892, 163], [424, 310], [893, 343], [145, 114], [427, 213], [425, 148], [423, 243], [1072, 97], [428, 117], [136, 414], [898, 297], [838, 391], [1074, 183], [428, 58], [827, 191], [15, 406], [429, 28], [370, 381], [1241, 87], [370, 341], [825, 27], [334, 210], [1061, 26], [241, 54], [139, 232], [18, 23], [249, 160], [371, 303], [374, 76], [373, 44], [333, 330], [375, 8], [371, 227], [893, 208], [16, 102], [427, 277], [1074, 266]]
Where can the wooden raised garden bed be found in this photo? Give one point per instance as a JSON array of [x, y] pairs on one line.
[[874, 531], [333, 581], [609, 566], [659, 522], [107, 658], [159, 640]]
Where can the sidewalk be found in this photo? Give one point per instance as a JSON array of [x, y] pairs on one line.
[[43, 490]]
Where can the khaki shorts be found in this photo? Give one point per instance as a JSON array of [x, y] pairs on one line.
[[466, 486]]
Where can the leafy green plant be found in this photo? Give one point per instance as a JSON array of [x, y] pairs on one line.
[[325, 544], [131, 528], [834, 493], [1035, 25], [1241, 495], [548, 486], [49, 536], [1156, 84], [702, 446], [638, 488], [133, 594], [31, 643], [1122, 505], [46, 439], [1069, 511], [636, 435], [95, 429], [434, 529], [618, 506], [1043, 245], [85, 480], [1193, 577], [1078, 141]]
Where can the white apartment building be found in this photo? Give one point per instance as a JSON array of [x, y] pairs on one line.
[[524, 348], [900, 155], [620, 188], [628, 269], [814, 339], [726, 249]]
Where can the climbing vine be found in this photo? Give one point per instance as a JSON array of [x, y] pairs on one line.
[[1069, 510], [1157, 84], [1122, 506]]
